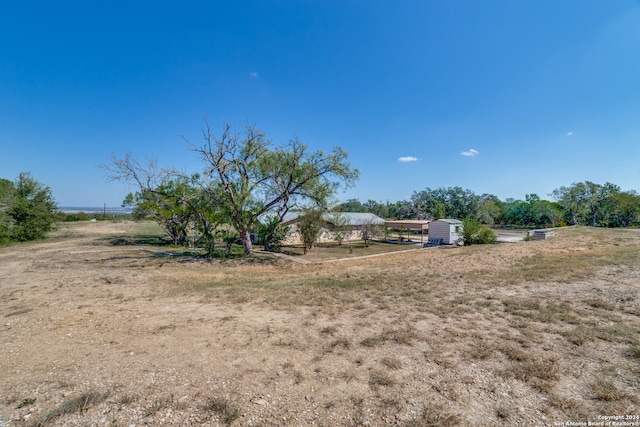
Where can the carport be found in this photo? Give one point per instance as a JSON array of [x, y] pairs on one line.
[[409, 224]]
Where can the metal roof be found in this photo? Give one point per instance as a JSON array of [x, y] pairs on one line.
[[412, 224], [450, 221], [351, 218], [356, 218]]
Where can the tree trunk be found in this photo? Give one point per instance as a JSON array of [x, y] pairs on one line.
[[246, 242]]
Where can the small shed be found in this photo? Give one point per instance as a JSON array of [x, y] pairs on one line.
[[449, 230]]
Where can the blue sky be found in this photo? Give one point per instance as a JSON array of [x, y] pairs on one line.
[[503, 97]]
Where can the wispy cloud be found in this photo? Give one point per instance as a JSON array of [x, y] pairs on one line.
[[470, 153], [569, 133], [407, 159], [253, 74]]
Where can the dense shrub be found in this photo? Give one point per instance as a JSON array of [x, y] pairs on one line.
[[476, 234], [27, 209]]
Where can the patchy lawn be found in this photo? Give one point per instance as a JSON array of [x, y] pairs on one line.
[[332, 251]]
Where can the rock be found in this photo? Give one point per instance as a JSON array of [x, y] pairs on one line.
[[259, 401]]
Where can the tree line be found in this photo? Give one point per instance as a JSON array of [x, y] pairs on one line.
[[583, 203], [248, 184]]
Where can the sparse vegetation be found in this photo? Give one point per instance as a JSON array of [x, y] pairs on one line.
[[227, 411], [413, 339], [70, 406]]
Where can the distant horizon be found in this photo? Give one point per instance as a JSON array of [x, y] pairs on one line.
[[93, 209]]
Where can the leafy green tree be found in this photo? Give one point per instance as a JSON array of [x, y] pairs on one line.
[[623, 210], [490, 210], [310, 226], [404, 210], [27, 209], [585, 202], [171, 198], [450, 202], [250, 177], [377, 208], [532, 212], [7, 191], [245, 176], [352, 205], [168, 205]]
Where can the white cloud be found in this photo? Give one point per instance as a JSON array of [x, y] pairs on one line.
[[253, 74], [407, 159], [569, 133], [470, 153]]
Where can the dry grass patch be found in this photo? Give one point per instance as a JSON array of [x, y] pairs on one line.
[[339, 344], [434, 416], [634, 352], [481, 350], [540, 372], [618, 333], [549, 312], [606, 390], [391, 362], [224, 409], [70, 406], [332, 251], [403, 336], [380, 378]]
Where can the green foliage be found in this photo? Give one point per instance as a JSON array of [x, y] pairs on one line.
[[229, 237], [168, 205], [475, 233], [352, 205], [339, 224], [377, 208], [623, 210], [6, 200], [26, 402], [248, 177], [587, 202], [244, 177], [310, 225], [451, 202], [532, 212], [72, 217], [27, 209], [272, 233]]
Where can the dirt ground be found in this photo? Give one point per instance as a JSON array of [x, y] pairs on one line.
[[530, 333]]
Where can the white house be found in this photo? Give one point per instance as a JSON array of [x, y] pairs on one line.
[[449, 230]]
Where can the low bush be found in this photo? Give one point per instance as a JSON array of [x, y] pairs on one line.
[[475, 233]]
